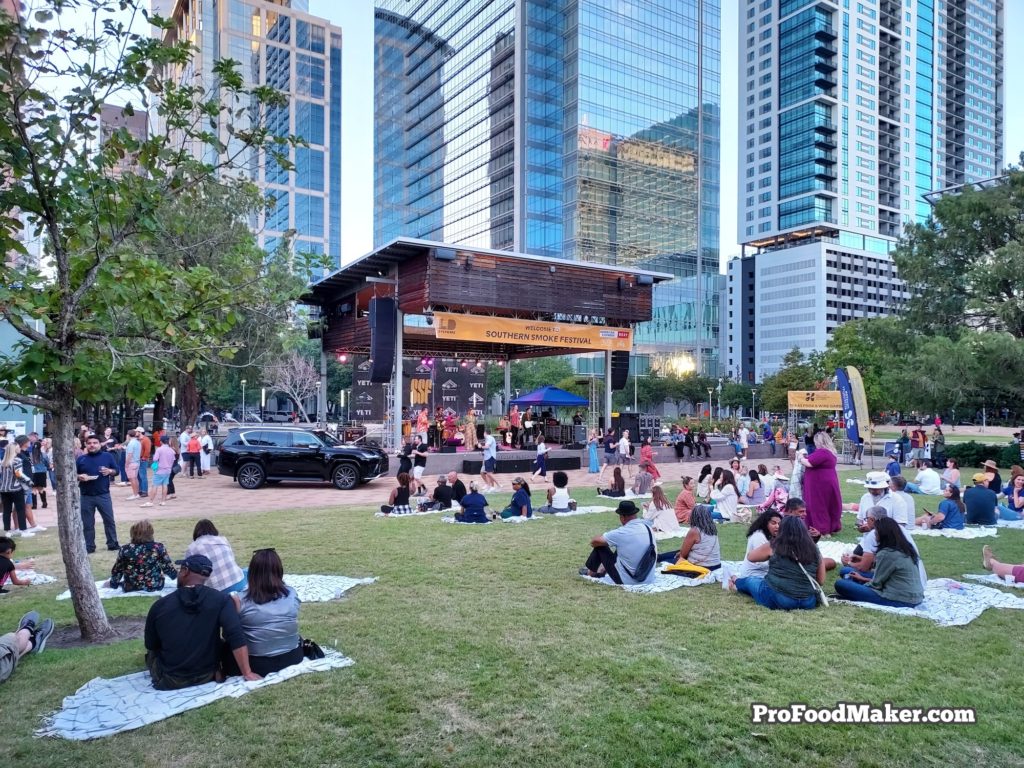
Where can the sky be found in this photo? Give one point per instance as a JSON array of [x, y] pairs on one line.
[[355, 17]]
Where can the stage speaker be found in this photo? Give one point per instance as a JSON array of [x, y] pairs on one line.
[[600, 424], [630, 421], [579, 434], [620, 370], [480, 433], [383, 321]]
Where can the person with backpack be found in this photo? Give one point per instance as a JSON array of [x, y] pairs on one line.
[[634, 555]]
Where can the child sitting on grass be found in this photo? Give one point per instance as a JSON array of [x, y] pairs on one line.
[[7, 569]]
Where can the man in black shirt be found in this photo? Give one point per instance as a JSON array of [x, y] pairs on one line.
[[419, 464], [458, 487], [95, 467], [442, 496], [183, 631]]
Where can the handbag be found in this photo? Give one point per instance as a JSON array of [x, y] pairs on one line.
[[311, 650], [822, 600], [683, 567]]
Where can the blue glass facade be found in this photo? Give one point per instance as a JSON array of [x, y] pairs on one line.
[[563, 128]]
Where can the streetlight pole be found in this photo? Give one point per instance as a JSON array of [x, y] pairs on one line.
[[753, 393], [243, 401], [709, 406]]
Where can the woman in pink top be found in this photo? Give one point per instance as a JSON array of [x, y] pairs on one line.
[[164, 458], [647, 454]]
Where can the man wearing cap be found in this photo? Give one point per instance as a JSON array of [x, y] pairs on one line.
[[876, 494], [632, 540], [184, 628], [980, 502], [893, 467], [95, 467]]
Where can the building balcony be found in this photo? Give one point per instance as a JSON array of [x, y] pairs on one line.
[[825, 33], [826, 127]]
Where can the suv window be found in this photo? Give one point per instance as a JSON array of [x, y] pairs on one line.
[[304, 440], [268, 439]]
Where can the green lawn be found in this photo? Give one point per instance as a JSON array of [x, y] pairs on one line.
[[481, 646]]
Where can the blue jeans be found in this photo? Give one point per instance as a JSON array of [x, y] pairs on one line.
[[143, 478], [90, 506], [119, 460], [846, 570], [764, 595], [913, 488], [862, 593], [1005, 513]]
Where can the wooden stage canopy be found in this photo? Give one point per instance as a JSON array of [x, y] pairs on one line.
[[434, 282]]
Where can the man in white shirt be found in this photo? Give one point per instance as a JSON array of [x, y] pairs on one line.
[[490, 464], [625, 458], [744, 435], [863, 558], [928, 481], [876, 494], [903, 508], [632, 540]]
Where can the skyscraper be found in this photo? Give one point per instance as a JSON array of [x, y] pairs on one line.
[[281, 45], [849, 114], [560, 128]]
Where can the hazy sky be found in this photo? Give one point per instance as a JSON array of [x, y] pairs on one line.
[[356, 19]]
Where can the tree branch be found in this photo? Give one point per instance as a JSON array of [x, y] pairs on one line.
[[34, 400]]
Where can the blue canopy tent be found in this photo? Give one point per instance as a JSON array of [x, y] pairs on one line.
[[551, 397]]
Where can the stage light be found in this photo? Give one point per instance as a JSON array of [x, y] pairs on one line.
[[343, 358], [464, 364]]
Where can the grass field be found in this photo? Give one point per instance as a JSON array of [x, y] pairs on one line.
[[479, 646]]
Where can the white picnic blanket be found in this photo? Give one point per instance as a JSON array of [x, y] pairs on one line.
[[1018, 524], [663, 535], [311, 588], [951, 607], [460, 522], [991, 578], [629, 495], [104, 707], [417, 513], [666, 582], [583, 511], [35, 578], [834, 549], [952, 533]]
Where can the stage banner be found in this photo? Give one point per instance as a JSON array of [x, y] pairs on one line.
[[815, 400], [860, 401], [538, 333], [849, 410]]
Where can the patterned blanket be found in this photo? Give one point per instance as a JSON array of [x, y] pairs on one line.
[[666, 582], [311, 588], [1018, 524], [951, 604], [104, 707], [991, 578], [951, 533], [35, 578]]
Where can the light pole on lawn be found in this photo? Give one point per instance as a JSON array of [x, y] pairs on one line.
[[710, 390], [243, 400], [753, 393]]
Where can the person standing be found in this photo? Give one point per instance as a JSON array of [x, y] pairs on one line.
[[625, 455], [515, 423], [744, 440], [490, 463], [611, 454], [821, 490], [593, 465], [419, 464], [542, 457], [12, 492], [469, 430], [205, 452], [423, 424], [95, 468], [164, 458], [647, 454], [145, 455]]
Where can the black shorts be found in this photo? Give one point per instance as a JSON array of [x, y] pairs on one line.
[[489, 465], [39, 479]]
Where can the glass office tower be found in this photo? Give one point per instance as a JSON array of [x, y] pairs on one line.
[[571, 129], [279, 44]]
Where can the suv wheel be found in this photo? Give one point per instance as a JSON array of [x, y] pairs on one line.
[[251, 476], [345, 477]]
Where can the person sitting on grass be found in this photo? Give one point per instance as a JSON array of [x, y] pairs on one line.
[[520, 505], [927, 481], [1000, 569], [704, 480], [686, 500], [183, 631], [474, 506], [862, 559], [31, 635], [951, 475], [760, 535], [660, 511], [458, 487], [441, 498], [618, 487], [8, 571], [644, 480], [896, 579], [893, 468], [207, 541], [269, 612], [755, 493], [632, 540], [398, 501], [1014, 506], [980, 501], [726, 496], [950, 514], [558, 495], [795, 564], [700, 545], [142, 564]]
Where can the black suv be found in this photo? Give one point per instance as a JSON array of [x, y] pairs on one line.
[[258, 454]]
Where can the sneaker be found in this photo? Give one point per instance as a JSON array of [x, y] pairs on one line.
[[114, 548], [584, 571], [41, 635], [29, 621], [26, 534], [147, 504], [37, 529], [131, 498]]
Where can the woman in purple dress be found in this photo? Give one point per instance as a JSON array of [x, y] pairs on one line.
[[821, 491]]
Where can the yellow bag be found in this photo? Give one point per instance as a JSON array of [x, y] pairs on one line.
[[685, 568]]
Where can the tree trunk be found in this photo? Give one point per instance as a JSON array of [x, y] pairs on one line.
[[92, 619], [189, 402]]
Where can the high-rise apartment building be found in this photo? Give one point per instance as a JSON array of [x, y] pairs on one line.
[[281, 45], [114, 118], [560, 128], [850, 113]]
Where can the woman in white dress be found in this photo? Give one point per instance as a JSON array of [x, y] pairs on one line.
[[205, 451]]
